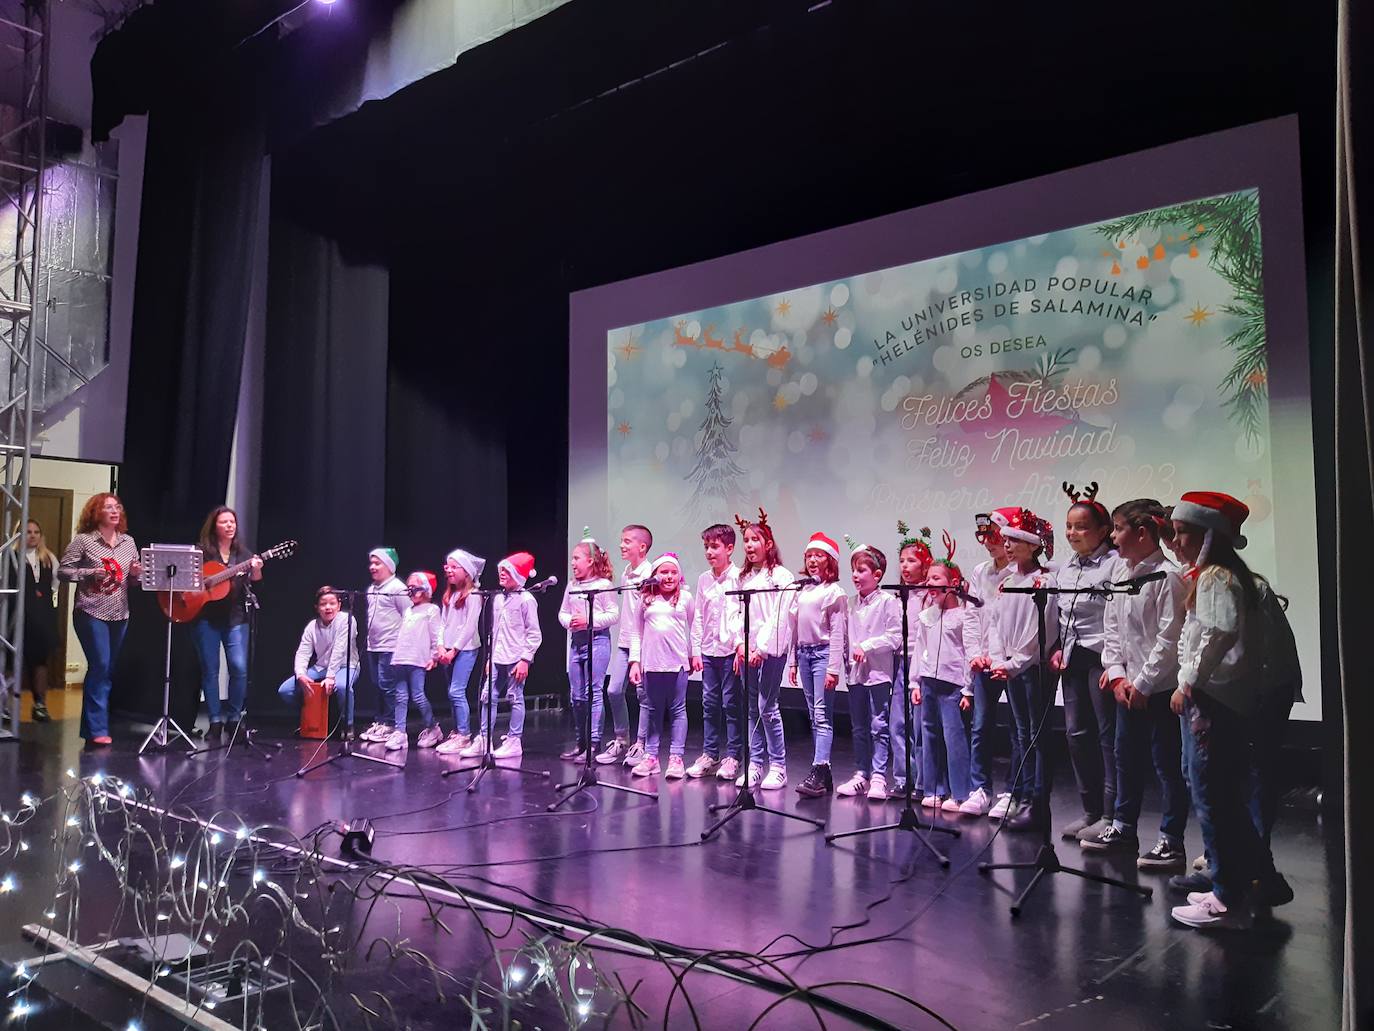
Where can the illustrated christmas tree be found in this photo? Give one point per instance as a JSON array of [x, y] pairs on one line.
[[716, 473]]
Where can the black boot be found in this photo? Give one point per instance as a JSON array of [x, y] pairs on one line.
[[215, 734], [817, 783], [574, 753]]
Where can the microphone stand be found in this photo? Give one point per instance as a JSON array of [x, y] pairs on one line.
[[744, 798], [346, 750], [1046, 861], [488, 762], [588, 778], [910, 820], [251, 606]]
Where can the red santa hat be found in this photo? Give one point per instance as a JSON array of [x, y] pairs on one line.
[[520, 566], [820, 542], [1213, 511], [1021, 524], [429, 578]]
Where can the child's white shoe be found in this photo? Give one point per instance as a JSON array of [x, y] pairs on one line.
[[855, 785], [508, 749], [396, 740], [477, 748], [777, 778], [453, 744], [877, 788]]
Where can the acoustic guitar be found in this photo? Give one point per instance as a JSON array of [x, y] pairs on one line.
[[216, 579]]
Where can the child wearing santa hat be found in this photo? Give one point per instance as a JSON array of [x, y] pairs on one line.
[[515, 639], [387, 604], [660, 657], [818, 614], [1218, 696], [459, 640], [417, 648]]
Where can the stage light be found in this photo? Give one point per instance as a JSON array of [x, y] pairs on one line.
[[50, 915], [23, 845], [8, 885], [97, 778], [125, 791], [216, 838], [72, 821], [241, 833], [178, 862], [28, 801], [259, 876], [74, 866], [21, 1008]]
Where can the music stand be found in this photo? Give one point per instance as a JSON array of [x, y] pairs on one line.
[[170, 568]]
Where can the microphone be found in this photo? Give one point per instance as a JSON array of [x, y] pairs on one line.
[[1138, 582], [542, 585], [805, 581], [972, 599]]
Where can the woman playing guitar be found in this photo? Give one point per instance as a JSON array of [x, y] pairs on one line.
[[223, 623]]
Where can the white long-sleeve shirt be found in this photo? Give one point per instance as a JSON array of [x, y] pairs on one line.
[[943, 642], [875, 625], [984, 583], [605, 607], [769, 631], [1080, 615], [718, 625], [631, 575], [387, 604], [418, 638], [1211, 649], [661, 636], [1141, 631], [458, 626], [327, 644], [818, 615], [516, 635], [1014, 636]]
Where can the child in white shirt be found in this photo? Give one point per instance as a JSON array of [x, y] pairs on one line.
[[660, 657], [417, 645], [818, 633], [875, 635], [515, 639]]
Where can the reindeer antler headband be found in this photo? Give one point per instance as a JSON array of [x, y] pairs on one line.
[[1088, 498], [762, 523]]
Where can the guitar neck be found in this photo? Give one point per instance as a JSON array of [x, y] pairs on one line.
[[230, 573]]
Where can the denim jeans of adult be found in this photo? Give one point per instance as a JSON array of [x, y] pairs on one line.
[[720, 707], [101, 641], [504, 685], [765, 714], [383, 677], [615, 692], [987, 692], [292, 693], [868, 708], [577, 680], [458, 680], [665, 700], [943, 720], [1090, 716], [410, 690], [1221, 784], [1145, 736], [1028, 704], [234, 641], [820, 703]]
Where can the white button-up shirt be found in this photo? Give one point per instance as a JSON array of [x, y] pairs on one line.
[[818, 614], [943, 641], [1080, 615], [1211, 649], [1014, 637], [605, 607], [458, 626], [387, 604], [984, 583], [874, 625], [1141, 631], [418, 638], [629, 576], [717, 626], [516, 635], [769, 630], [661, 635]]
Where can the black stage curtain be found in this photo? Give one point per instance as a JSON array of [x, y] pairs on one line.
[[324, 461], [202, 190]]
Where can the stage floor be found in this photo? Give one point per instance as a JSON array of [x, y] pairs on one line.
[[1080, 955]]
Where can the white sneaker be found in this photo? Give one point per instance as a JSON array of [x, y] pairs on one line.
[[777, 778], [1000, 807], [755, 778], [930, 802], [396, 740], [977, 804], [429, 737], [951, 805], [453, 744], [877, 788], [855, 785], [729, 769], [704, 766], [676, 770], [1208, 913], [376, 732], [633, 754], [646, 767], [613, 753], [477, 748], [508, 749]]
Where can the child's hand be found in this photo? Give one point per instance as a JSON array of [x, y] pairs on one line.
[[1176, 701], [857, 655], [997, 672], [1104, 681], [792, 676], [520, 672], [916, 695], [444, 656], [1118, 688], [756, 658], [328, 683], [696, 664], [636, 675], [1057, 660], [1134, 699], [979, 663], [965, 703], [832, 681], [578, 623], [429, 665]]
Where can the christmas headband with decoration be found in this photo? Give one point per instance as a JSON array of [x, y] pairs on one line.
[[951, 546], [762, 523], [856, 549], [921, 543], [1088, 498], [1021, 524]]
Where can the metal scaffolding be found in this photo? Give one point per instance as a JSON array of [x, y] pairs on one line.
[[24, 48]]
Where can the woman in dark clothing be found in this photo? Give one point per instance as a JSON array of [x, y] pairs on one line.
[[40, 616], [224, 623]]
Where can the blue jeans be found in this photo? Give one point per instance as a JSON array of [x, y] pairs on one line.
[[820, 703], [458, 689], [615, 693], [1028, 706], [1153, 732], [1221, 781], [943, 720], [720, 707], [502, 683], [101, 641], [234, 640], [577, 676], [665, 702], [291, 691], [410, 687], [384, 679], [765, 715], [897, 721], [1091, 724], [868, 709], [987, 692]]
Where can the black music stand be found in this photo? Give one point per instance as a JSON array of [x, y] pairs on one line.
[[1046, 861], [744, 797], [588, 777], [171, 568]]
